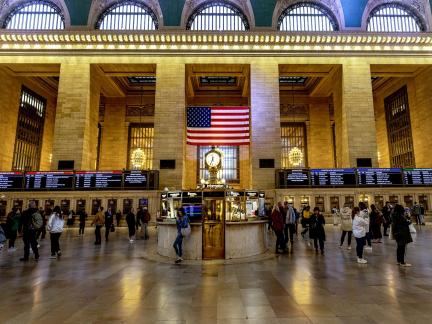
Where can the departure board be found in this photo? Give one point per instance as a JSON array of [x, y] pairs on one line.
[[333, 177], [380, 177], [86, 180], [135, 179], [56, 180], [11, 181], [418, 177], [297, 177]]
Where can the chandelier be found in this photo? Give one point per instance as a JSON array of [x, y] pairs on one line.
[[138, 158], [295, 157]]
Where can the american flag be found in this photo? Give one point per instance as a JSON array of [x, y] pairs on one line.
[[209, 126]]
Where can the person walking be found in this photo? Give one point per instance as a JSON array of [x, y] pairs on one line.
[[130, 220], [290, 224], [365, 214], [12, 221], [376, 219], [98, 221], [317, 230], [305, 220], [277, 224], [360, 228], [346, 225], [144, 223], [139, 216], [182, 222], [386, 211], [31, 221], [82, 221], [55, 227], [401, 234], [109, 223]]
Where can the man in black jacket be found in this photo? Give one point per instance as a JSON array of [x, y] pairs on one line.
[[109, 220], [28, 232]]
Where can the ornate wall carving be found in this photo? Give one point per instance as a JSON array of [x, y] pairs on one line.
[[244, 5], [6, 6], [333, 6], [296, 112], [419, 7], [99, 6]]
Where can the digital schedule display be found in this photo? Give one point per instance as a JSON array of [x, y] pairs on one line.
[[56, 180], [135, 179], [98, 180], [297, 177], [380, 177], [333, 177], [11, 181], [418, 177]]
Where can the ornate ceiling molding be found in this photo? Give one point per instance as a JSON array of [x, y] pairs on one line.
[[100, 6], [334, 6], [6, 6], [417, 6], [191, 5]]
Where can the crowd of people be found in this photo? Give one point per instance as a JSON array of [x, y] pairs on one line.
[[365, 224], [33, 223]]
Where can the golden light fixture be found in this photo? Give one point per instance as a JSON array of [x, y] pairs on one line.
[[138, 158], [295, 157]]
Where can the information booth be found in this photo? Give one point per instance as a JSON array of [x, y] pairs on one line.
[[225, 223]]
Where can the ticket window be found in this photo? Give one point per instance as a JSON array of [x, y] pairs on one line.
[[334, 203], [304, 201], [3, 208], [143, 203], [349, 201], [36, 201], [408, 200], [80, 205], [49, 206], [235, 209], [364, 199], [379, 202], [289, 200], [112, 203], [319, 202], [17, 203], [252, 207], [96, 204], [173, 205], [65, 206], [127, 206], [394, 200], [423, 200]]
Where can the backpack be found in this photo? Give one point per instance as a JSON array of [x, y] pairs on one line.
[[36, 221]]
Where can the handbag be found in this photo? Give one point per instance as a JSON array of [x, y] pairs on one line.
[[112, 228], [186, 231]]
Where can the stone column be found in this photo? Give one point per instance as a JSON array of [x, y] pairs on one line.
[[320, 143], [354, 115], [169, 121], [114, 144], [265, 120]]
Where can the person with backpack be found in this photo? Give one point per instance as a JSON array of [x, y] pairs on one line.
[[12, 221], [55, 227], [182, 223], [401, 234], [31, 222]]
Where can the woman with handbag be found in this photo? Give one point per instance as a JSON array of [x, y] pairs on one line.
[[183, 229], [401, 233], [55, 228]]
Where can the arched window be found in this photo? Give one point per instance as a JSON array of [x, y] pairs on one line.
[[35, 15], [393, 18], [218, 16], [307, 16], [128, 15]]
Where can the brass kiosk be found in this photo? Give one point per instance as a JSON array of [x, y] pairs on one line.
[[225, 224]]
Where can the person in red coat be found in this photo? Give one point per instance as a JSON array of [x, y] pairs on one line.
[[278, 226]]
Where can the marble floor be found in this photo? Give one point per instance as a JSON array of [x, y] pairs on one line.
[[118, 283]]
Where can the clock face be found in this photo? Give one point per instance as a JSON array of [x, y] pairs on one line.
[[212, 159]]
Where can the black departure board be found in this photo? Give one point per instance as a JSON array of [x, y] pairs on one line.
[[418, 177], [55, 180], [380, 177], [297, 177], [333, 177], [86, 180], [135, 179], [11, 181]]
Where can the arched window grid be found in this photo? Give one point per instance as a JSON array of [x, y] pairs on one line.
[[394, 18], [35, 15], [128, 15], [218, 16], [307, 17]]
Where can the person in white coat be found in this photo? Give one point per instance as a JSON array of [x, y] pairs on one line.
[[360, 229], [55, 227], [346, 225]]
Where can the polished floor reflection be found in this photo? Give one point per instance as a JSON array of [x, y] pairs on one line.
[[118, 283]]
